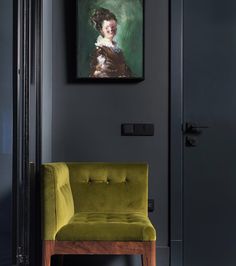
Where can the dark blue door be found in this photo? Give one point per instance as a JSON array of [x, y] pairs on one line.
[[209, 86]]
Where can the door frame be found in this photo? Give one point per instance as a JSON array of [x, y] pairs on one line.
[[26, 153], [176, 136], [20, 135]]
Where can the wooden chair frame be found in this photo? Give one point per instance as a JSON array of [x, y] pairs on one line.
[[147, 249]]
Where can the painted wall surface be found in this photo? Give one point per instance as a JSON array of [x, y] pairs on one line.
[[86, 119], [47, 81], [6, 17]]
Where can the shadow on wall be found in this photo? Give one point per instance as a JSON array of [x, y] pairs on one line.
[[5, 230], [106, 260]]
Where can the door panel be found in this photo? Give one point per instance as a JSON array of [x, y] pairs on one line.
[[209, 215]]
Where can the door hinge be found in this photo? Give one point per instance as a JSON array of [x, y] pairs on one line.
[[21, 258]]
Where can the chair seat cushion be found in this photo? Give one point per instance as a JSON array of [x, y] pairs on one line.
[[89, 226]]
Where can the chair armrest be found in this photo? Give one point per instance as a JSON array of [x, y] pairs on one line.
[[56, 198]]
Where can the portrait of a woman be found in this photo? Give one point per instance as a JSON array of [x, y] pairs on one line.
[[110, 40], [107, 60]]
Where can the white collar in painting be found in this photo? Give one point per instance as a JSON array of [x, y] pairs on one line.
[[101, 41]]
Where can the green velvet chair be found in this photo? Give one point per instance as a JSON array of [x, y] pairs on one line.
[[96, 208]]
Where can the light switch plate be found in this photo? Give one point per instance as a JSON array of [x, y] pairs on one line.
[[141, 129]]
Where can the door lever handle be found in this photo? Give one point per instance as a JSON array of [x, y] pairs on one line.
[[193, 128]]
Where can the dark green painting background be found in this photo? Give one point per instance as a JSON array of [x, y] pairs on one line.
[[129, 14]]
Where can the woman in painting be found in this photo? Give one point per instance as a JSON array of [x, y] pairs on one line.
[[107, 60]]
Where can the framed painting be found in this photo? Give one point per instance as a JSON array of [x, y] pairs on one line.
[[110, 40]]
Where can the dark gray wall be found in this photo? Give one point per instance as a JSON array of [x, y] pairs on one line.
[[6, 17], [47, 81], [86, 118]]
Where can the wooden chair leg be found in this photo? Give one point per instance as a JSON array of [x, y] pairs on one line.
[[149, 255], [47, 253]]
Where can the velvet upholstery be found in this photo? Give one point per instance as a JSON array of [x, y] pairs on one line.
[[95, 201], [57, 200], [107, 227]]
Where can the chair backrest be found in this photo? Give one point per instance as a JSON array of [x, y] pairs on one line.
[[109, 187]]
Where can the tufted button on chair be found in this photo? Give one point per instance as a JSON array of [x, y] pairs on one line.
[[96, 208]]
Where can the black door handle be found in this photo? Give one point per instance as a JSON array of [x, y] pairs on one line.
[[193, 128]]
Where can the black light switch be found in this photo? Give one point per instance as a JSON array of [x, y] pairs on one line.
[[137, 129], [127, 130]]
